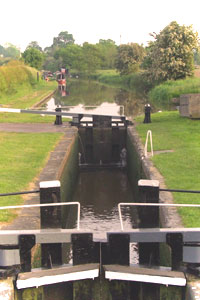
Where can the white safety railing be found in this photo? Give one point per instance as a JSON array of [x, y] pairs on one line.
[[149, 135], [47, 205], [150, 204]]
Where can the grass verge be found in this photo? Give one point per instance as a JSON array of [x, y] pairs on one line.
[[23, 155], [181, 167], [26, 97]]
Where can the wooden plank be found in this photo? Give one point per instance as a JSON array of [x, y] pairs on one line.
[[40, 277], [143, 274]]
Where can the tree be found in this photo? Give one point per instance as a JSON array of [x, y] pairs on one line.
[[33, 57], [171, 55], [129, 58], [197, 56], [11, 51], [108, 51], [71, 56], [91, 58], [34, 45], [64, 38]]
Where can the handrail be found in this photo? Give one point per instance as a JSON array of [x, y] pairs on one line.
[[19, 193], [46, 205], [149, 134], [180, 191], [150, 204]]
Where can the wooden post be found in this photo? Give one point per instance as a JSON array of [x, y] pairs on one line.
[[50, 217], [149, 218]]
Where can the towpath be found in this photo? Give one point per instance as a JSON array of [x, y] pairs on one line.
[[34, 127]]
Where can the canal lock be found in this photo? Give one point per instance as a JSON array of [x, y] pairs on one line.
[[99, 176]]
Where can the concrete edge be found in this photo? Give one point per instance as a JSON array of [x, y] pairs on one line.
[[38, 104], [63, 164]]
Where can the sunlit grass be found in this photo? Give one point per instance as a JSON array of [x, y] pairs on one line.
[[23, 155], [181, 167]]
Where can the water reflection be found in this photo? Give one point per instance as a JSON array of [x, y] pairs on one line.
[[87, 95]]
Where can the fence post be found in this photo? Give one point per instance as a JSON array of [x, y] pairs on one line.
[[50, 218], [149, 218], [50, 193]]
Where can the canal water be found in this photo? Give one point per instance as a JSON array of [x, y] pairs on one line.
[[100, 190], [81, 93], [86, 95]]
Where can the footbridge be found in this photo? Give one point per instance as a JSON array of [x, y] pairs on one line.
[[91, 256]]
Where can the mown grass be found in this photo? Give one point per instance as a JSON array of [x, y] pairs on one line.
[[181, 167], [23, 155]]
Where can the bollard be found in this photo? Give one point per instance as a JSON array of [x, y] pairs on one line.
[[58, 120], [147, 112]]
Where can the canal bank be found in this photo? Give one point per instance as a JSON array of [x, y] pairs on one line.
[[54, 169], [144, 169], [169, 216]]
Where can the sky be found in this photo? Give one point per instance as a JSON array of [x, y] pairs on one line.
[[124, 21]]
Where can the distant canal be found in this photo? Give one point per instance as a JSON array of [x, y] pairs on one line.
[[109, 100], [89, 93]]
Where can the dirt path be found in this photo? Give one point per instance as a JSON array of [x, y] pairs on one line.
[[33, 127]]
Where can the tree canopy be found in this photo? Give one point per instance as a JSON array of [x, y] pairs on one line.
[[33, 57], [64, 38], [129, 58], [171, 55], [35, 45]]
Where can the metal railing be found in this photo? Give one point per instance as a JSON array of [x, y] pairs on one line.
[[149, 136], [150, 204], [46, 205], [19, 193]]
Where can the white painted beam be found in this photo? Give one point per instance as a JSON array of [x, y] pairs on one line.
[[114, 272], [52, 276]]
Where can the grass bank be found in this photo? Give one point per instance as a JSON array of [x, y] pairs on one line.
[[132, 82], [163, 93], [24, 98], [180, 168], [19, 88], [23, 155], [160, 95]]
